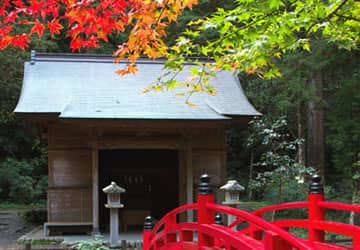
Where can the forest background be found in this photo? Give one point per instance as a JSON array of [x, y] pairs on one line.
[[310, 122]]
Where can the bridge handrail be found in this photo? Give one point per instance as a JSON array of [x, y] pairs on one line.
[[229, 238], [173, 212], [296, 242], [282, 206], [304, 204], [339, 206], [272, 208], [181, 226], [330, 226]]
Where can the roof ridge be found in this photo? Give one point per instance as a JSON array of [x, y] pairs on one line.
[[100, 58]]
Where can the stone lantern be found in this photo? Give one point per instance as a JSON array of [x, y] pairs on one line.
[[113, 192], [232, 191]]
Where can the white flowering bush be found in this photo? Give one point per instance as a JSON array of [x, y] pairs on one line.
[[279, 176]]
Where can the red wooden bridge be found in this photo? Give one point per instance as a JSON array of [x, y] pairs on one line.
[[208, 232]]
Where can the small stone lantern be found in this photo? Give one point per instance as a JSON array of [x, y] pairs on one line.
[[113, 192], [232, 192]]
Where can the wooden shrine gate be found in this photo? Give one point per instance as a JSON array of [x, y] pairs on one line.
[[208, 233]]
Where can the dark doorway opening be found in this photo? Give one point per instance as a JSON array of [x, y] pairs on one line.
[[149, 176]]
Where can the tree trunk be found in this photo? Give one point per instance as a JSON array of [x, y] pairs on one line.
[[300, 134], [251, 172], [315, 120]]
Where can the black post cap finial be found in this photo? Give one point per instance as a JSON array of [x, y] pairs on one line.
[[204, 187], [316, 186], [148, 224], [219, 219], [32, 57]]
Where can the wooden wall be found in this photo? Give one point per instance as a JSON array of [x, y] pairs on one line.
[[71, 160], [70, 175]]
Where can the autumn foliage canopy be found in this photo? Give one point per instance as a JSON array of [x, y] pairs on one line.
[[87, 22], [250, 37]]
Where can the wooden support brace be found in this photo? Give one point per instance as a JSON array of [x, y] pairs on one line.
[[171, 237], [186, 235], [273, 241]]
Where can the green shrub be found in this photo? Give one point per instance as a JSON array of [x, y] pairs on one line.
[[40, 189], [22, 189], [20, 181], [35, 216], [97, 244], [280, 177]]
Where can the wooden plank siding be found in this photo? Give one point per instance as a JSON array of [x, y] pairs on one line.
[[69, 204]]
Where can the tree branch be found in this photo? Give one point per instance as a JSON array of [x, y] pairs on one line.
[[347, 17], [332, 13], [336, 9]]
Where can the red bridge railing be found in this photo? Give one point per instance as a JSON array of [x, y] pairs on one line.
[[209, 233]]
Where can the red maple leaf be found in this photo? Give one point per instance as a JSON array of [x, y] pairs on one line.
[[5, 42], [4, 31], [11, 17], [92, 42], [19, 4], [54, 27], [38, 28], [20, 41], [2, 10], [76, 44], [88, 21], [35, 6]]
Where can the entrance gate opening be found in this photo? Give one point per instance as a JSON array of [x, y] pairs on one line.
[[150, 178]]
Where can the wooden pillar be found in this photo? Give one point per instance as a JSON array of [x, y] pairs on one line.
[[95, 189], [189, 179]]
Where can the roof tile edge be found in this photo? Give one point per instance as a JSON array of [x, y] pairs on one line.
[[99, 58]]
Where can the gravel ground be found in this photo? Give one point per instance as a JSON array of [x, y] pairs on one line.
[[12, 226]]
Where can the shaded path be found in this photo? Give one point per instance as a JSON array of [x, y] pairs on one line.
[[12, 226]]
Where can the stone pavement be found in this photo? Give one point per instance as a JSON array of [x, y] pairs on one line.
[[37, 237]]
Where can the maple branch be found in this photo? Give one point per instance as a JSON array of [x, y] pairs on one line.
[[195, 91], [336, 9], [348, 17], [161, 13], [331, 14], [245, 26]]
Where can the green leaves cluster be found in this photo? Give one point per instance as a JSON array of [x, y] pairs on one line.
[[20, 181], [254, 35], [97, 244]]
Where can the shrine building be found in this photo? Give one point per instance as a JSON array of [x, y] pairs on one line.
[[100, 127]]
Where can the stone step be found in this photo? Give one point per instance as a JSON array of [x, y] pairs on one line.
[[5, 220], [4, 217], [4, 229], [6, 214]]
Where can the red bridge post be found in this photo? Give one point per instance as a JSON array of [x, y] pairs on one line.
[[205, 216], [316, 194], [148, 227]]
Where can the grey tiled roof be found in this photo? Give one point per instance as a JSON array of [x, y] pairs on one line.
[[78, 86]]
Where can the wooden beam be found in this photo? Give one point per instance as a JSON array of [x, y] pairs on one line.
[[95, 189], [182, 180], [189, 179], [148, 123]]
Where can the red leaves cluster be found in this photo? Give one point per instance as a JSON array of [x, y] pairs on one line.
[[89, 21]]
